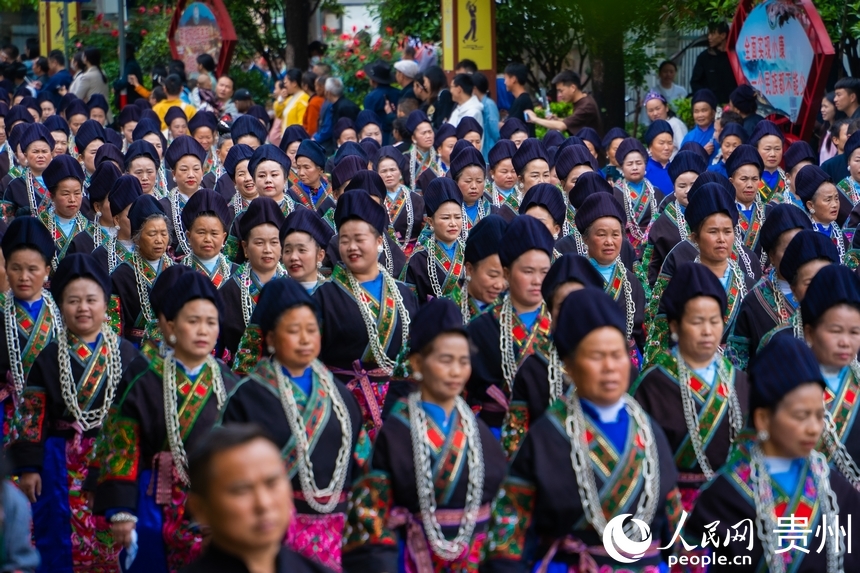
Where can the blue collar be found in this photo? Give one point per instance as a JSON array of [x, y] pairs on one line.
[[528, 318], [449, 251], [374, 287], [32, 308], [772, 179], [438, 415], [823, 229], [303, 382], [605, 271]]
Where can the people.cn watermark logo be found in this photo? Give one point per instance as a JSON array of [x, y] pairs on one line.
[[619, 546]]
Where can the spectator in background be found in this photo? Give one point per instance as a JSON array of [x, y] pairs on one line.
[[206, 65], [667, 86], [16, 523], [656, 107], [837, 166], [339, 107], [382, 99], [316, 51], [516, 76], [438, 103], [316, 88], [568, 88], [132, 68], [743, 101], [58, 76], [409, 54], [172, 89], [405, 72], [9, 53], [92, 80], [491, 113], [847, 97], [243, 102], [292, 102], [224, 93], [40, 72], [466, 67], [468, 105], [829, 116], [713, 70], [46, 105]]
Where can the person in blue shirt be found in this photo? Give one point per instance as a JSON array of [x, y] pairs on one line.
[[57, 76], [660, 141], [491, 113], [704, 112], [382, 98], [731, 136]]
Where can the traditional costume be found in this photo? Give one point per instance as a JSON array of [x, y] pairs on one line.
[[806, 184], [310, 223], [405, 207], [114, 250], [507, 200], [484, 241], [175, 202], [773, 184], [319, 198], [207, 202]]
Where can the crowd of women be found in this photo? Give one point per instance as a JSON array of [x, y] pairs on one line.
[[466, 364]]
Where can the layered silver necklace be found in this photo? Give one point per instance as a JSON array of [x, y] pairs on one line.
[[90, 419], [311, 491], [442, 547], [838, 452], [178, 229], [142, 287], [431, 265], [13, 346]]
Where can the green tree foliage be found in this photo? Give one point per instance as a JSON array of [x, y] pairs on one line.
[[18, 5], [415, 18]]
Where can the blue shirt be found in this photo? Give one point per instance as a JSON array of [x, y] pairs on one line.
[[786, 473], [772, 179], [834, 381], [61, 78], [616, 430], [605, 271], [659, 176], [826, 230], [448, 250], [719, 167], [32, 308], [528, 318], [303, 382], [324, 133], [702, 137], [491, 126], [438, 415], [724, 280], [472, 211], [374, 287], [375, 100]]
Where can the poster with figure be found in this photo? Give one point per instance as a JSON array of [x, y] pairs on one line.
[[202, 27], [475, 32]]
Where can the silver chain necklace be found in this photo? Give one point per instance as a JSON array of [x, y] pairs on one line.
[[223, 265], [171, 409], [31, 193], [632, 223], [442, 547], [691, 416], [178, 229], [91, 418], [431, 265], [244, 276], [681, 220], [629, 305], [13, 345], [237, 203], [838, 452], [311, 491], [742, 255], [388, 283], [585, 480], [142, 286], [766, 511], [506, 343]]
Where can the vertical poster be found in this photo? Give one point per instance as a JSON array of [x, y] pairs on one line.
[[198, 33], [448, 34], [51, 33], [475, 32]]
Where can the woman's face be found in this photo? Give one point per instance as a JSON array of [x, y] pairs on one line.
[[89, 155], [309, 172], [296, 339], [263, 248], [447, 222], [224, 149], [574, 175], [75, 122], [301, 255], [835, 340], [519, 137], [128, 131], [61, 143], [700, 329], [613, 147], [244, 181], [824, 207], [372, 131], [770, 149], [600, 366], [446, 369], [205, 137], [474, 138], [525, 277], [503, 174], [156, 143], [423, 136], [745, 180], [196, 330], [633, 167], [27, 271], [682, 186], [270, 180], [729, 144], [486, 279], [604, 239], [828, 110], [291, 151], [471, 184], [154, 239], [206, 237], [854, 165], [48, 110], [661, 148], [144, 171], [347, 135], [656, 109], [84, 307], [389, 171], [804, 276], [178, 127], [446, 148], [535, 172], [358, 244], [703, 114], [795, 425], [715, 238], [39, 155], [543, 215], [99, 115], [67, 197], [188, 174]]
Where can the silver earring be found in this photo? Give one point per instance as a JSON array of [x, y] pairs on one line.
[[319, 264], [379, 249], [271, 349], [674, 337], [171, 339], [418, 377], [763, 436]]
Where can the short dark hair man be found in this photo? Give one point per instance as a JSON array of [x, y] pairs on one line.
[[568, 87], [846, 97], [57, 76], [713, 69], [240, 490], [516, 76], [465, 67]]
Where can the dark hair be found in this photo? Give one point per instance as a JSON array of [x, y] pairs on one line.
[[853, 126], [721, 27], [519, 72], [464, 82], [667, 63], [399, 126], [294, 75], [730, 117], [41, 65], [158, 73], [837, 126], [470, 66], [309, 80], [437, 79], [12, 51], [78, 60], [316, 46], [218, 441], [408, 52], [480, 82], [850, 84], [158, 93], [407, 105], [57, 56], [176, 65], [130, 49], [173, 85], [32, 48], [567, 78], [207, 61], [94, 59]]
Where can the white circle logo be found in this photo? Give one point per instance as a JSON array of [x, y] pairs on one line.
[[616, 542]]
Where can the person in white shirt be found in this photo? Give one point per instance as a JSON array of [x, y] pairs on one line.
[[666, 87], [468, 105], [656, 107]]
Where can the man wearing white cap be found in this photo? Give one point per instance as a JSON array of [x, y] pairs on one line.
[[405, 72]]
